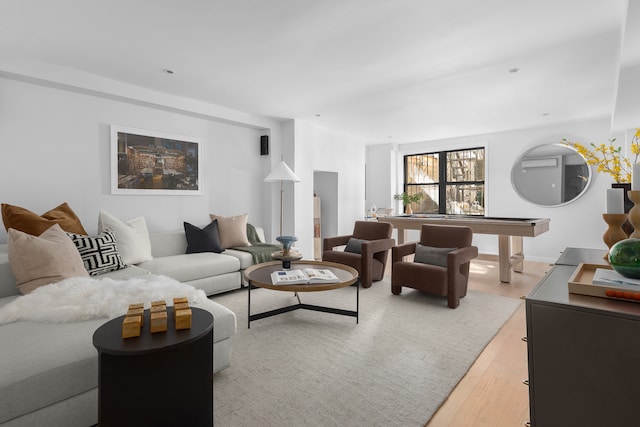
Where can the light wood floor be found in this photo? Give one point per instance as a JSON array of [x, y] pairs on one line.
[[492, 393]]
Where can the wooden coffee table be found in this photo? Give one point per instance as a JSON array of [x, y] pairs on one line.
[[259, 276]]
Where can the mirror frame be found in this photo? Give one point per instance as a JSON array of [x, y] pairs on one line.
[[522, 156]]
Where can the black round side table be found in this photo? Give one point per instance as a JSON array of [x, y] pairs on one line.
[[160, 379]]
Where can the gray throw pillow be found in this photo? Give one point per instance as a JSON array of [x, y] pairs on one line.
[[432, 255], [354, 245]]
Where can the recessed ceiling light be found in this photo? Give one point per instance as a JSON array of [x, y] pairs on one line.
[[546, 114], [167, 71], [514, 70], [317, 115]]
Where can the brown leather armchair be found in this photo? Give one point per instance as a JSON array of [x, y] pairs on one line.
[[445, 256], [366, 252]]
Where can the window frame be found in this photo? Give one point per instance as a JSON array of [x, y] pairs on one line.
[[442, 173]]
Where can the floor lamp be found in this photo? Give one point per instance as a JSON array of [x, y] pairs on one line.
[[281, 172]]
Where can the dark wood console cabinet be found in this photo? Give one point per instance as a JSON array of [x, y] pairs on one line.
[[583, 353]]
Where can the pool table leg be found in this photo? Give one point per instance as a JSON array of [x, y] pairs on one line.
[[517, 257], [402, 235], [506, 260]]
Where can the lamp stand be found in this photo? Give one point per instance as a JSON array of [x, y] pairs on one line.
[[281, 204], [282, 173]]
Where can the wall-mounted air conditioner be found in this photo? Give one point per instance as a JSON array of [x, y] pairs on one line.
[[549, 162]]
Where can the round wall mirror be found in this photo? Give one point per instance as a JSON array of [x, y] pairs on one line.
[[551, 175]]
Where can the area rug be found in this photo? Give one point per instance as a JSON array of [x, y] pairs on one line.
[[394, 368]]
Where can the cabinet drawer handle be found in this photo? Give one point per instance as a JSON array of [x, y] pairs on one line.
[[524, 339], [525, 382], [527, 423]]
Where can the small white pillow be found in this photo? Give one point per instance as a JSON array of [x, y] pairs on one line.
[[132, 237], [232, 229], [40, 260]]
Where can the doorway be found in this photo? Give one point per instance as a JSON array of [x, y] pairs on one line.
[[325, 186]]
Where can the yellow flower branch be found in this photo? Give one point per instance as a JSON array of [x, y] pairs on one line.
[[608, 158]]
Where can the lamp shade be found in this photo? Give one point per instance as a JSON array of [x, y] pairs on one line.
[[281, 172]]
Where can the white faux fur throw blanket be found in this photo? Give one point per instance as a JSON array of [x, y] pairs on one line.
[[84, 298]]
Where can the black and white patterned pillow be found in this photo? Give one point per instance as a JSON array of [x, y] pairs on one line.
[[99, 253]]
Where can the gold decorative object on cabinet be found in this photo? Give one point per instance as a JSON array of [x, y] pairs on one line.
[[614, 232], [634, 213]]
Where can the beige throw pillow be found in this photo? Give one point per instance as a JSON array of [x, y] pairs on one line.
[[132, 237], [232, 229], [41, 260]]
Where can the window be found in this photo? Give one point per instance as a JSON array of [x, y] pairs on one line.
[[454, 185]]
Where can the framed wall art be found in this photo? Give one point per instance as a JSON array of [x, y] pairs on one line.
[[149, 162]]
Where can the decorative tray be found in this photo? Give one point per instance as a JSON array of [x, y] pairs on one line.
[[581, 282]]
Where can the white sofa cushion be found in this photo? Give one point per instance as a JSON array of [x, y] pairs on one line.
[[187, 267], [245, 258], [167, 243], [45, 363], [129, 271]]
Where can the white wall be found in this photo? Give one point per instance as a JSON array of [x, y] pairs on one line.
[[326, 186], [578, 224], [381, 164], [55, 142], [322, 149], [55, 147]]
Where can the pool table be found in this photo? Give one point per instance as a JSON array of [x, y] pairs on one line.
[[510, 232]]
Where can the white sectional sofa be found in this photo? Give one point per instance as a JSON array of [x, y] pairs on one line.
[[49, 372]]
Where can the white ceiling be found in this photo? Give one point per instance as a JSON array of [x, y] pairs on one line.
[[389, 71]]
